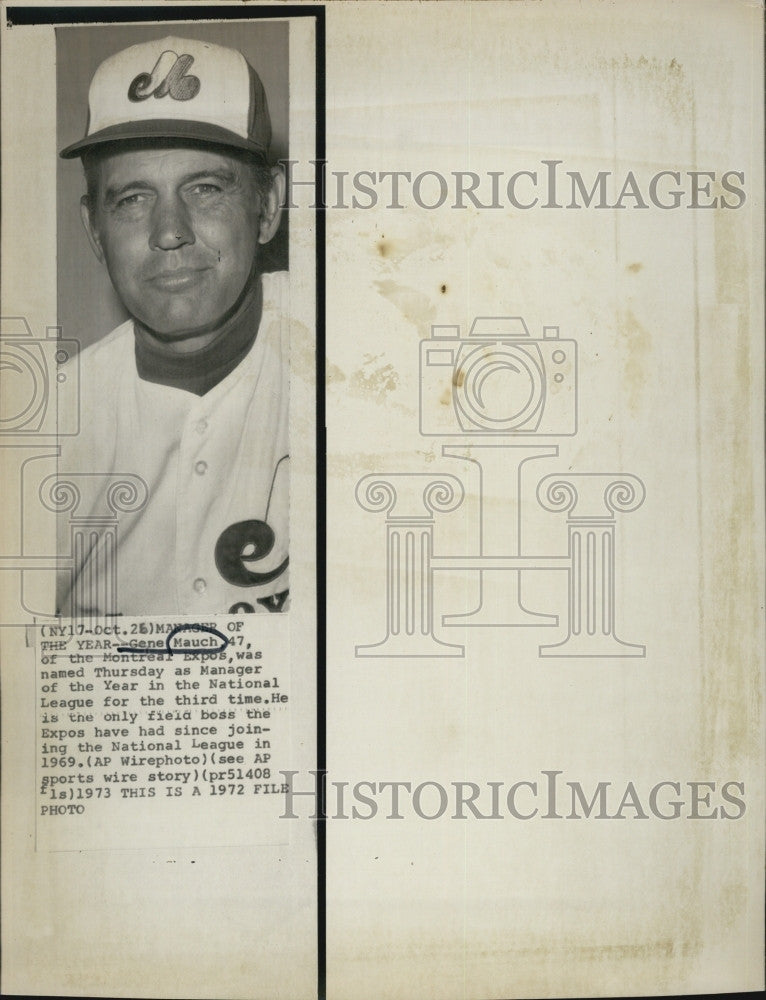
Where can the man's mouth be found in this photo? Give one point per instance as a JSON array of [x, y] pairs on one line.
[[177, 279]]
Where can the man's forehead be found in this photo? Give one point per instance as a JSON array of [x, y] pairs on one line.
[[167, 162]]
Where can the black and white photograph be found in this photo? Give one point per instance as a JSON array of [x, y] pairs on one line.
[[173, 276]]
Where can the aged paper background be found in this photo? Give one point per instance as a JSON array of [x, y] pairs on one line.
[[666, 308], [194, 902]]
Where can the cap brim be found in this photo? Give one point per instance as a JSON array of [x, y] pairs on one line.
[[167, 128]]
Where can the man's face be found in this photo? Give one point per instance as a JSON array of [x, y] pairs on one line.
[[178, 229]]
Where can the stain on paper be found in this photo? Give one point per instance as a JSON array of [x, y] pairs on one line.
[[416, 307], [637, 343], [373, 379]]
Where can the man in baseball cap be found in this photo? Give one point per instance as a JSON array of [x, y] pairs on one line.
[[187, 400]]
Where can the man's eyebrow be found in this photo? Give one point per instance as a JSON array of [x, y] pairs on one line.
[[220, 173]]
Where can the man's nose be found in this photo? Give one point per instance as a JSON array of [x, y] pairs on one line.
[[171, 226]]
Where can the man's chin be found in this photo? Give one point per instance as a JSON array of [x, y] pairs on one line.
[[182, 318]]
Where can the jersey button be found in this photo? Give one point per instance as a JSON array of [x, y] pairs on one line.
[[201, 426], [200, 468], [200, 585]]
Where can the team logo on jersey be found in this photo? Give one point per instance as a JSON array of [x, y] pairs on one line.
[[239, 550], [167, 79], [253, 553]]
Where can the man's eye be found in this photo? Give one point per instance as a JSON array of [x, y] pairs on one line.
[[131, 199], [205, 188]]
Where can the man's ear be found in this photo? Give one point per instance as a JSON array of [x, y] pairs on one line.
[[271, 210], [90, 229]]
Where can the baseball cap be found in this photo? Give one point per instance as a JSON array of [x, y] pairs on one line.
[[177, 88]]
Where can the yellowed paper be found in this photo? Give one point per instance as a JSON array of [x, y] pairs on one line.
[[543, 725], [143, 845]]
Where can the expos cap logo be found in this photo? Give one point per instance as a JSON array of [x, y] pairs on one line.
[[167, 79]]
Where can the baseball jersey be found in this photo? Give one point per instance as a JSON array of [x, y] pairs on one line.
[[181, 502]]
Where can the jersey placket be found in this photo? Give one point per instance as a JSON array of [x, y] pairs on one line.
[[196, 477]]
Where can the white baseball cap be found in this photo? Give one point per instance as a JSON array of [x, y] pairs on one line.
[[177, 88]]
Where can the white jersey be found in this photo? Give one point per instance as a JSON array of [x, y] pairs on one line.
[[200, 523]]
